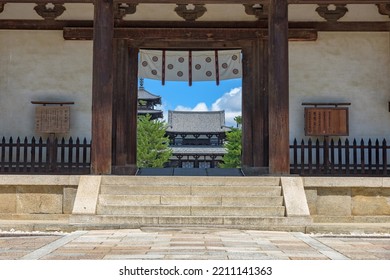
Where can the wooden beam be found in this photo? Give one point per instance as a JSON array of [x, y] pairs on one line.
[[102, 88], [43, 24], [194, 34], [279, 160], [347, 26], [343, 26]]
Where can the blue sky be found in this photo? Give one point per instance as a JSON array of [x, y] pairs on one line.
[[201, 96]]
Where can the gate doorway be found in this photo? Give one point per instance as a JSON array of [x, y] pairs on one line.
[[253, 71], [198, 110]]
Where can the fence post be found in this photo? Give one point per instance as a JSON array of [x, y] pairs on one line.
[[384, 156], [295, 156], [325, 155], [17, 159], [33, 154], [362, 157], [370, 156], [10, 154], [25, 155], [332, 157], [354, 151], [318, 160], [70, 155], [346, 156], [2, 167], [77, 154], [302, 157], [310, 147], [377, 156], [340, 156]]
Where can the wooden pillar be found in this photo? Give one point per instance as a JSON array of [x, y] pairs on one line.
[[247, 109], [124, 125], [279, 160], [260, 101], [133, 108], [255, 109], [102, 88]]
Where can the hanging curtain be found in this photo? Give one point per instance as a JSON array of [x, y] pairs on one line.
[[190, 66]]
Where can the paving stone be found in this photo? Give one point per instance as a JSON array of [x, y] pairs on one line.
[[193, 243]]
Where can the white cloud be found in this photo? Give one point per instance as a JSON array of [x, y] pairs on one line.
[[231, 103], [199, 107]]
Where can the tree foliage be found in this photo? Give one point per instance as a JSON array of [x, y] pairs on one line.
[[233, 146], [152, 144]]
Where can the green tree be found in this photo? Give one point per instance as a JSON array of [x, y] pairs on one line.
[[233, 146], [152, 144]]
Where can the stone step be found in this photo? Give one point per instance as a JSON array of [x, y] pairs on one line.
[[244, 221], [277, 211], [190, 181], [27, 216], [351, 219], [133, 200], [191, 190]]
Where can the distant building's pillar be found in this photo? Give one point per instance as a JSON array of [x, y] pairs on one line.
[[102, 88], [279, 159]]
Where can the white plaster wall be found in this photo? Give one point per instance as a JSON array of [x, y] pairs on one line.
[[338, 67], [42, 66], [343, 67]]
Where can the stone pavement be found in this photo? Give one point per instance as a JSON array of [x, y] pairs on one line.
[[191, 243]]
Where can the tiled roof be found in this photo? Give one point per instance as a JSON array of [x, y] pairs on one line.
[[146, 95], [196, 122]]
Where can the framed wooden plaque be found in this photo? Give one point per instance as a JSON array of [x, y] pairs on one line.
[[52, 119], [326, 121]]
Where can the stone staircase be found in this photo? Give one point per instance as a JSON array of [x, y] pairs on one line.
[[244, 202]]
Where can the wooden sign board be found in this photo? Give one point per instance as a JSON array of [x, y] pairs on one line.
[[326, 121], [52, 119]]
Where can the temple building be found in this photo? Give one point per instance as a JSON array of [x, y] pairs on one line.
[[197, 138], [147, 103]]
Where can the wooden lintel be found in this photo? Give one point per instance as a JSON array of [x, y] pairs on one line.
[[202, 34], [344, 26], [43, 24]]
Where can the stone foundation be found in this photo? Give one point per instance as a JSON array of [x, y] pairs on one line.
[[329, 199], [347, 197], [37, 194]]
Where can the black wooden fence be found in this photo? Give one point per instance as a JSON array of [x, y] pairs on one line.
[[343, 158], [50, 156], [313, 158]]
